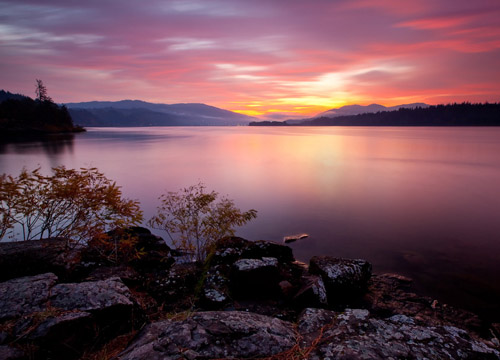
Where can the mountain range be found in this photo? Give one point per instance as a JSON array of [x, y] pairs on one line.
[[141, 113], [358, 109], [361, 109]]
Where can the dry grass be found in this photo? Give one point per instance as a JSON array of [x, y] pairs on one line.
[[296, 352], [111, 349]]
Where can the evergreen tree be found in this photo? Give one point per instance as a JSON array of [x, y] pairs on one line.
[[41, 92]]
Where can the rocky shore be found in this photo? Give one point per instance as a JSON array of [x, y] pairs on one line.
[[248, 300]]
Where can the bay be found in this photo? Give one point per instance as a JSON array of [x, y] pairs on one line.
[[422, 202]]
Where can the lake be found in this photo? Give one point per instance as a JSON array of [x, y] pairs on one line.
[[422, 202]]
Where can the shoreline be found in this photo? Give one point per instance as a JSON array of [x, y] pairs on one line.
[[242, 281]]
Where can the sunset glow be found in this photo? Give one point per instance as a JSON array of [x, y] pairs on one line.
[[275, 59]]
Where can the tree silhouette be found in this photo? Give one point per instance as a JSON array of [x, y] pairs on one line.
[[41, 91]]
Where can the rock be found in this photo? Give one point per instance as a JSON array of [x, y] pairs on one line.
[[215, 290], [344, 279], [262, 248], [62, 320], [126, 273], [286, 288], [292, 238], [390, 294], [311, 321], [109, 301], [255, 278], [175, 287], [312, 292], [245, 265], [64, 336], [230, 249], [4, 337], [27, 258], [10, 353], [211, 335], [25, 295], [91, 295], [57, 327], [355, 335], [144, 251]]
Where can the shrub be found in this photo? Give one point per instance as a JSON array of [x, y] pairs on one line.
[[198, 218], [73, 204]]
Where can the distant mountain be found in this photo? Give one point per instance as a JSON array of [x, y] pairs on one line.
[[465, 114], [358, 109], [6, 95], [361, 109], [141, 113]]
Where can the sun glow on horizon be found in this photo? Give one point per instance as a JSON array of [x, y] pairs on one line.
[[258, 58]]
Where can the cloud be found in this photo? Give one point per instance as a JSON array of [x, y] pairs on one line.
[[283, 56]]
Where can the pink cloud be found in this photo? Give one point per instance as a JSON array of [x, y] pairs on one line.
[[286, 55]]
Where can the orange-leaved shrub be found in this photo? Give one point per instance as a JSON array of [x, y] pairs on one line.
[[77, 205]]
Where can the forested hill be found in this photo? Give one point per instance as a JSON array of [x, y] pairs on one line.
[[465, 114], [22, 117]]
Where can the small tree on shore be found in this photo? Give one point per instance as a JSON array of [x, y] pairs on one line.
[[74, 204], [41, 91], [195, 219]]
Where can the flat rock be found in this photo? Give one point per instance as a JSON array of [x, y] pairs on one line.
[[312, 320], [25, 295], [63, 336], [33, 257], [355, 335], [263, 248], [345, 279], [247, 265], [91, 295], [230, 249], [212, 335], [58, 327], [292, 238], [390, 294]]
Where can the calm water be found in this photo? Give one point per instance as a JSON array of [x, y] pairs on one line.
[[424, 202]]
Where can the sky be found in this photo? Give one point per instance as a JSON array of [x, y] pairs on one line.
[[274, 59]]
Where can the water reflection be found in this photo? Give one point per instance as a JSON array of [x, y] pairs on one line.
[[419, 201], [51, 145]]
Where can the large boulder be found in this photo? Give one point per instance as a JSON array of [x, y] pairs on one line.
[[230, 249], [345, 279], [109, 301], [62, 320], [212, 335], [256, 278], [354, 334], [263, 248], [25, 295], [63, 335], [91, 295], [256, 270], [135, 246], [175, 287], [27, 258]]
